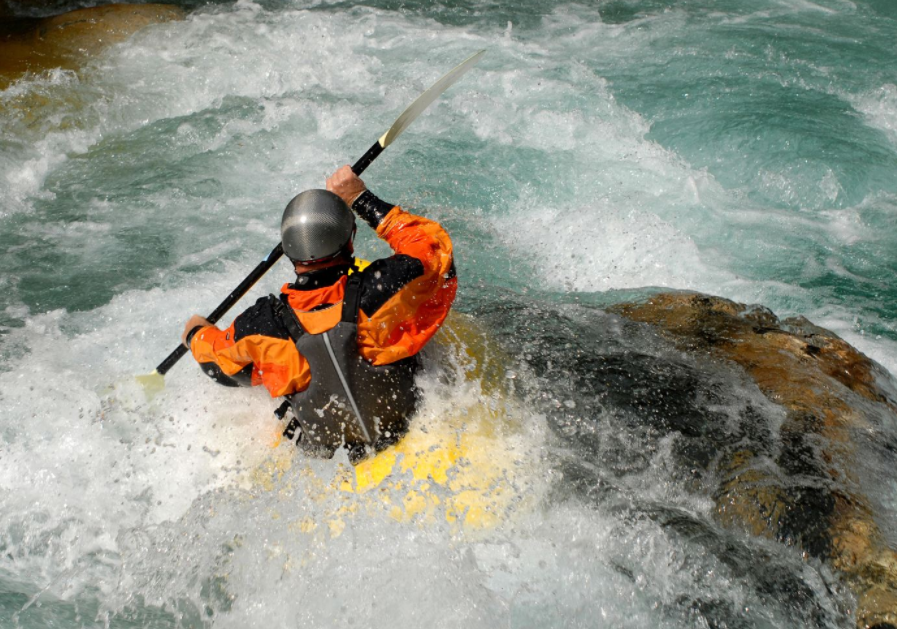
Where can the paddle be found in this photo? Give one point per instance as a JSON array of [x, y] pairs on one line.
[[155, 381]]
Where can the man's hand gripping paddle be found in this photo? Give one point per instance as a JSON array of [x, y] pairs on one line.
[[155, 381]]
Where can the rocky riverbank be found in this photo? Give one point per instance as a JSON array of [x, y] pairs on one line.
[[35, 45]]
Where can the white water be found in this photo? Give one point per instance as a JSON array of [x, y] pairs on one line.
[[146, 187]]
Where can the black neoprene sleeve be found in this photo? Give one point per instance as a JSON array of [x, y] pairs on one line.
[[371, 208]]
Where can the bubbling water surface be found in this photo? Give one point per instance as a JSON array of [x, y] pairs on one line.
[[596, 152]]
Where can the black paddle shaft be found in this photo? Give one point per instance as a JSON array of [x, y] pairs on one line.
[[228, 303], [367, 158], [257, 272]]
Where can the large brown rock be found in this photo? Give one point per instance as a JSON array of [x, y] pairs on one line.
[[816, 377], [67, 40]]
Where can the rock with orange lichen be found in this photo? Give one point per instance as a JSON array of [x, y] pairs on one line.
[[829, 391], [34, 45]]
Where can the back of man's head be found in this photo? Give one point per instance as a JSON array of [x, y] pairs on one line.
[[317, 226]]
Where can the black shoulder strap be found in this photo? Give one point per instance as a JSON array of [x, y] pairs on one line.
[[283, 310], [351, 298]]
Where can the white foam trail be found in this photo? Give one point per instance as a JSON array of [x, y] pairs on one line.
[[72, 405], [806, 5], [89, 463], [178, 68], [596, 247], [879, 107]]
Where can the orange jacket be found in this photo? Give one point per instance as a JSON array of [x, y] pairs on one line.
[[404, 300]]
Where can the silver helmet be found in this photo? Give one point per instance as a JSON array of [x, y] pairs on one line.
[[317, 225]]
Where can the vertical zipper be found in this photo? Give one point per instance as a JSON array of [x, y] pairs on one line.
[[342, 379]]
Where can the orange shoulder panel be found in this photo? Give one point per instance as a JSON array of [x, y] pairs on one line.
[[276, 363], [410, 318]]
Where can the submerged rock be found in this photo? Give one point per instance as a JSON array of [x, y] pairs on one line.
[[806, 491], [65, 41]]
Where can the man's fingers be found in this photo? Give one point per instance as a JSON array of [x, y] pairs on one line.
[[345, 184], [192, 322]]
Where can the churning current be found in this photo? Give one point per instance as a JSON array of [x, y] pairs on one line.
[[600, 153]]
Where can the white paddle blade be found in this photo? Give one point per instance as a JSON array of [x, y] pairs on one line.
[[423, 101]]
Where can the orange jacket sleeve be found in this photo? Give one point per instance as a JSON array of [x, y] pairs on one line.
[[395, 326], [255, 342]]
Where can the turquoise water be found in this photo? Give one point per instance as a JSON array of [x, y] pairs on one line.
[[598, 152]]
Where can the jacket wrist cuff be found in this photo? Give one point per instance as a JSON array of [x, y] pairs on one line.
[[370, 208], [191, 334]]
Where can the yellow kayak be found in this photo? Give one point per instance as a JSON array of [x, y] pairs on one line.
[[464, 460]]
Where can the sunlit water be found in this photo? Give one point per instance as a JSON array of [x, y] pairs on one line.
[[599, 151]]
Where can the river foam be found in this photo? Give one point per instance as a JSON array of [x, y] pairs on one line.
[[577, 158]]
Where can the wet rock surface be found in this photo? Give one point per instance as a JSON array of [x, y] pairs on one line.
[[803, 487], [34, 45], [742, 437]]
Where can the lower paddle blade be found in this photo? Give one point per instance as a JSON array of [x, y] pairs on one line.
[[152, 382]]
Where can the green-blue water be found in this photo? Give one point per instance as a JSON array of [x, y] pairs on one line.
[[600, 150]]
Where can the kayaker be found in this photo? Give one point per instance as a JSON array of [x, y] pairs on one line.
[[340, 343]]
